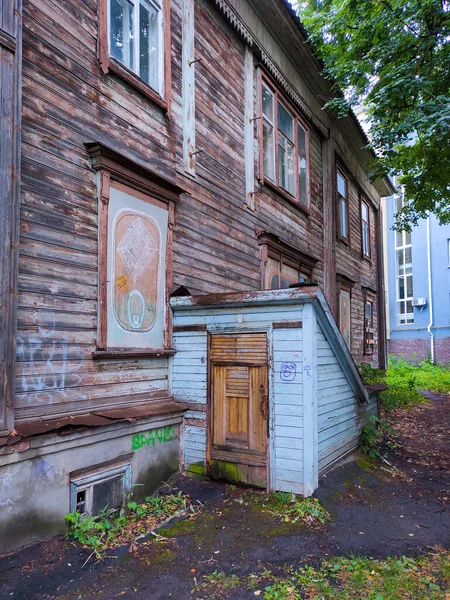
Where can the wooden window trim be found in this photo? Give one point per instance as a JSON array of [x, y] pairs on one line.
[[367, 257], [108, 64], [368, 297], [298, 120], [113, 168], [345, 240], [272, 247]]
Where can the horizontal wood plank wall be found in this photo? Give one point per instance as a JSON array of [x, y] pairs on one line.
[[67, 101], [341, 414], [363, 272], [288, 411], [215, 233], [189, 384]]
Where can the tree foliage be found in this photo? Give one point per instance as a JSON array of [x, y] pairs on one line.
[[394, 57]]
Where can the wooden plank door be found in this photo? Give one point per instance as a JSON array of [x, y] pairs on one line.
[[239, 393]]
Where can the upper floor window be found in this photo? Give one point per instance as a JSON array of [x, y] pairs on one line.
[[404, 277], [285, 140], [134, 36], [342, 196], [365, 228]]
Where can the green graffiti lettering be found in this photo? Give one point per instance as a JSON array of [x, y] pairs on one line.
[[162, 435], [135, 442], [169, 433]]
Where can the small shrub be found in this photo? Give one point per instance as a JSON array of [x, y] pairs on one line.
[[374, 433], [371, 375]]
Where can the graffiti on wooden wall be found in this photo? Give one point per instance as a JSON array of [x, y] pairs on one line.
[[52, 366]]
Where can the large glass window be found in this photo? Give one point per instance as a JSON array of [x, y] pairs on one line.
[[404, 277], [284, 147], [135, 38]]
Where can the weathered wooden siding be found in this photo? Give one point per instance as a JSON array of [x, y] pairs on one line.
[[189, 384], [287, 418], [340, 413], [350, 262], [10, 136], [68, 101]]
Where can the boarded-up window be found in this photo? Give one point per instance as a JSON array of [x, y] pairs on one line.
[[345, 314], [136, 266], [283, 265]]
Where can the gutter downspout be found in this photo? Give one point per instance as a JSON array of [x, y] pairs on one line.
[[430, 292]]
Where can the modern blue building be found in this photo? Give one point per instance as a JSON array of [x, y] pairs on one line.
[[417, 275]]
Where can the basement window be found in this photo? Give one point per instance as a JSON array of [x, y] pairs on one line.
[[99, 490]]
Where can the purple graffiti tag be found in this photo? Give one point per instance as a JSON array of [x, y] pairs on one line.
[[288, 371]]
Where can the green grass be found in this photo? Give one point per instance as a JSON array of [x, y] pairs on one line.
[[359, 578], [405, 379], [339, 578]]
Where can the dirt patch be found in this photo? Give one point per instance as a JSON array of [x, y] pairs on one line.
[[377, 510]]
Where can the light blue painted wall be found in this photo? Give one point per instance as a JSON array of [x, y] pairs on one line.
[[313, 419], [440, 278]]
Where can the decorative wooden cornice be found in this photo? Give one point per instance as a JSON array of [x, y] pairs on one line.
[[128, 172], [278, 245], [272, 68]]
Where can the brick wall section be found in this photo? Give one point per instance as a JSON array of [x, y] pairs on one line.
[[419, 348]]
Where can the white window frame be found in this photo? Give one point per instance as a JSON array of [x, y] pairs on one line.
[[344, 224], [365, 228], [87, 482], [405, 318], [277, 137], [135, 68]]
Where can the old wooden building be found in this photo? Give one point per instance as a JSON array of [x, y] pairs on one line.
[[175, 148]]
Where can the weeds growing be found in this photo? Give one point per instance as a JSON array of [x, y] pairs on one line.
[[359, 578], [113, 527], [405, 379], [290, 508]]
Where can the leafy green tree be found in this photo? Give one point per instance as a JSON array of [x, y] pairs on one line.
[[393, 56]]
